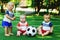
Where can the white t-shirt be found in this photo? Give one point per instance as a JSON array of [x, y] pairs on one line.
[[22, 26], [46, 25], [10, 14]]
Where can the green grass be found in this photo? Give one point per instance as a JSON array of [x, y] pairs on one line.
[[33, 21]]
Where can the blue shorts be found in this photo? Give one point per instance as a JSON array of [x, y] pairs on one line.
[[6, 24]]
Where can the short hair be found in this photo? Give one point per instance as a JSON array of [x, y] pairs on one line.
[[47, 15], [22, 16], [9, 3]]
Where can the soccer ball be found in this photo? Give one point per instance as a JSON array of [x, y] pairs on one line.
[[31, 31]]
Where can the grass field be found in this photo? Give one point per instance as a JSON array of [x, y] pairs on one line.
[[33, 21]]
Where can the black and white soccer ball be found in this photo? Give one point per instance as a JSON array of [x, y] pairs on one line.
[[31, 31]]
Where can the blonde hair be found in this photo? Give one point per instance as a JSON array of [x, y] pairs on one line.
[[22, 16], [9, 3]]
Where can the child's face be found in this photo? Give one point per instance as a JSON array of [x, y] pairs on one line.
[[10, 6], [22, 19], [46, 18]]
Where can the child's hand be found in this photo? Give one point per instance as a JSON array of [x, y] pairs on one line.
[[39, 27], [18, 28], [13, 18], [42, 34]]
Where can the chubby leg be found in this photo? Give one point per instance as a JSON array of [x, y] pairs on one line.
[[24, 33], [46, 33], [40, 32], [6, 31], [18, 33]]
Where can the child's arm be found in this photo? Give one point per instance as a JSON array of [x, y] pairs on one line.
[[14, 18], [7, 15], [27, 24], [18, 26], [39, 27], [10, 17], [51, 29]]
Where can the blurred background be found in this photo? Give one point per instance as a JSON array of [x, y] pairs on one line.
[[38, 7]]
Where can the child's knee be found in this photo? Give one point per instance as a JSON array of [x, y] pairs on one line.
[[18, 32], [46, 33], [39, 32], [24, 33]]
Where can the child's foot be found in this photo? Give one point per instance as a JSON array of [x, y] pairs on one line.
[[11, 33], [24, 33], [7, 35], [39, 33], [18, 35], [42, 34]]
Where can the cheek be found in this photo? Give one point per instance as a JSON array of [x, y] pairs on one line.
[[24, 19], [20, 19], [9, 7], [12, 7], [44, 19]]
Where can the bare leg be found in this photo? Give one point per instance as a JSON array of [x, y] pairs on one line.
[[10, 31], [24, 33], [40, 32], [6, 31], [18, 33], [46, 33]]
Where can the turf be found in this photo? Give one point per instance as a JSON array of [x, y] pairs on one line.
[[33, 21]]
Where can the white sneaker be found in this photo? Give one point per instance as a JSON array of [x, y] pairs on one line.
[[7, 35]]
